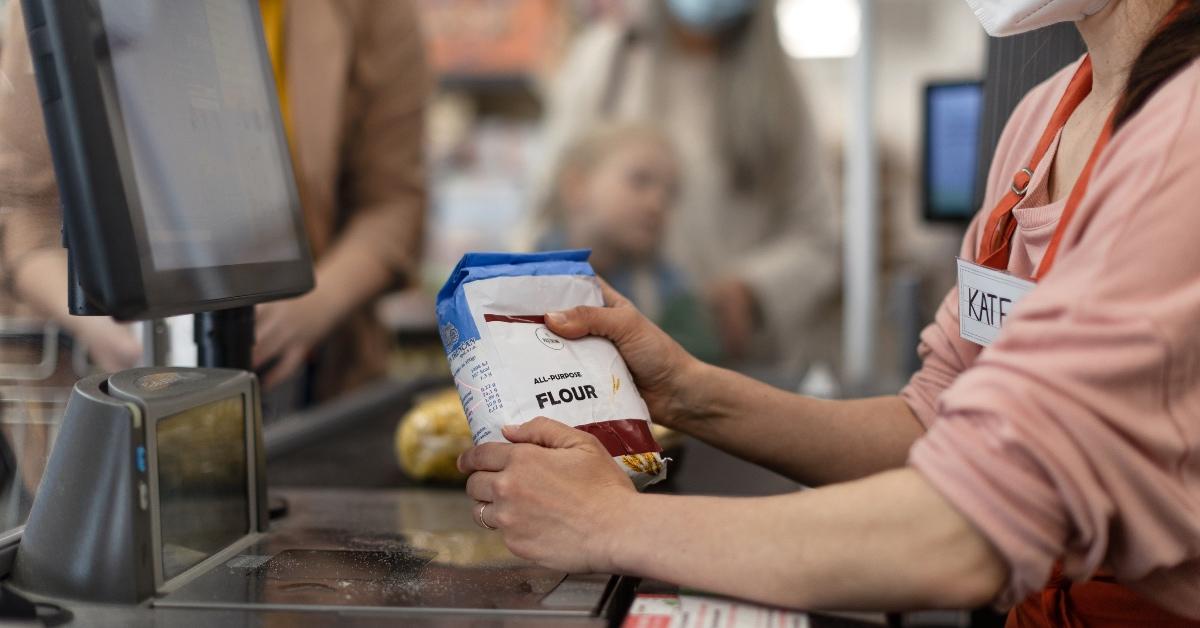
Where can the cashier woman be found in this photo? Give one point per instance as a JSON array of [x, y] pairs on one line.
[[352, 83], [1055, 472]]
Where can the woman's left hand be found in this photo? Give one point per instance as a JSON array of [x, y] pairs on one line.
[[553, 492], [286, 331], [735, 310]]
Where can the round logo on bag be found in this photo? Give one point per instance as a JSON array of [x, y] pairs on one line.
[[449, 335], [548, 338]]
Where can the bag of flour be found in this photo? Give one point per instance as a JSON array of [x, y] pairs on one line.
[[509, 367]]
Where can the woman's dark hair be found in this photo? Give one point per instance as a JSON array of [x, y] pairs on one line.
[[1172, 48]]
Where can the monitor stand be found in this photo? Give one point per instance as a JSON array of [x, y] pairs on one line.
[[225, 338]]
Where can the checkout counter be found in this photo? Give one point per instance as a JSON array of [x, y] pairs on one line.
[[347, 541]]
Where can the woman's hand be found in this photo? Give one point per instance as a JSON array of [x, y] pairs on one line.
[[553, 492], [41, 281], [286, 331], [110, 345], [662, 370], [735, 310], [347, 277]]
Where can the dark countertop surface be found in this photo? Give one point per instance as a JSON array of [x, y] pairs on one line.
[[374, 557]]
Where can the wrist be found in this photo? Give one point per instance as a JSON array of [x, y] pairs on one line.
[[335, 295], [347, 278], [693, 398], [619, 539], [330, 306], [92, 331], [328, 298]]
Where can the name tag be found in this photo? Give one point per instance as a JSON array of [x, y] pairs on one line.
[[986, 298]]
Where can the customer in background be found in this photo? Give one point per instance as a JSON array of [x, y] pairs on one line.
[[352, 83], [612, 192], [755, 222]]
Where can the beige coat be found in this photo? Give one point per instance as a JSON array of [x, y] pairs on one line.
[[357, 87], [790, 260]]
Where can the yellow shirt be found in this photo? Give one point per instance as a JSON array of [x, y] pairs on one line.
[[272, 19]]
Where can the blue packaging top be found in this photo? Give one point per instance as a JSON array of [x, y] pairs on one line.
[[485, 265], [454, 317]]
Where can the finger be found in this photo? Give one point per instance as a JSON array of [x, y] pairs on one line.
[[265, 320], [610, 322], [483, 518], [485, 457], [289, 362], [612, 298], [110, 361], [481, 486], [126, 351], [546, 433], [129, 352], [116, 353], [259, 356], [267, 346]]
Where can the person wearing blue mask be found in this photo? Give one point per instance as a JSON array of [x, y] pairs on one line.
[[754, 210]]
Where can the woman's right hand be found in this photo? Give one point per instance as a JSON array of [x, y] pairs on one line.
[[662, 370], [110, 345], [41, 282]]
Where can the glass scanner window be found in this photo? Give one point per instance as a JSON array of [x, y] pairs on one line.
[[203, 494], [210, 170]]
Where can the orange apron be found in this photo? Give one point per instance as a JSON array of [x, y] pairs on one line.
[[1100, 602], [1000, 226]]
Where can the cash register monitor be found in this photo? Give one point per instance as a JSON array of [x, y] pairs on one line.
[[171, 157]]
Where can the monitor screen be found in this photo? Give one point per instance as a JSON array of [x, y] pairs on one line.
[[203, 483], [170, 153], [952, 115], [199, 125]]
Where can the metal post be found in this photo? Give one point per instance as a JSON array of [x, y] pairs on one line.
[[156, 342], [861, 228], [225, 338]]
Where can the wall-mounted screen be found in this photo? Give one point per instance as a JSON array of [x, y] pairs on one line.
[[951, 146]]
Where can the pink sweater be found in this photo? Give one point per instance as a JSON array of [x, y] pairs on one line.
[[1076, 436]]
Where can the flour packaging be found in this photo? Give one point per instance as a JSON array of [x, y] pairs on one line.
[[509, 367]]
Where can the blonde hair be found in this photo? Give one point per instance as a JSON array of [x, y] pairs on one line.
[[587, 150]]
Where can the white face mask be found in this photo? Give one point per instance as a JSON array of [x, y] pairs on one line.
[[1012, 17]]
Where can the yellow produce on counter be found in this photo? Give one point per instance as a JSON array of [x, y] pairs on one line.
[[431, 436], [666, 437]]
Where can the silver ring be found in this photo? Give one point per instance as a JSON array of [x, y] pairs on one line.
[[483, 522]]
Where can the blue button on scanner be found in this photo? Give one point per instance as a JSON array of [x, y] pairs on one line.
[[141, 458]]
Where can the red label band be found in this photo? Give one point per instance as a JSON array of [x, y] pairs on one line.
[[535, 319], [624, 437]]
